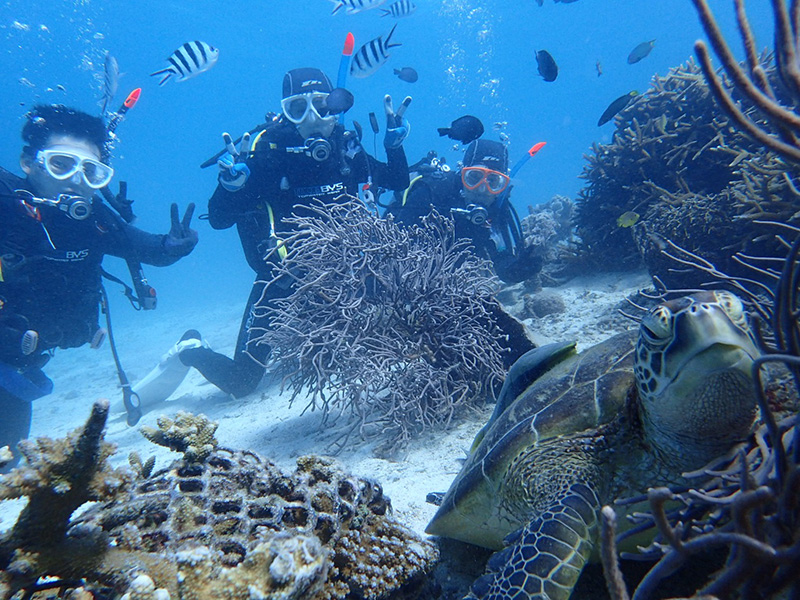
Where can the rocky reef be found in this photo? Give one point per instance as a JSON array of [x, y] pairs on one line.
[[679, 169], [217, 523], [548, 231]]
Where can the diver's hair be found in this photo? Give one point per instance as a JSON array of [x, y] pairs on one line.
[[47, 120]]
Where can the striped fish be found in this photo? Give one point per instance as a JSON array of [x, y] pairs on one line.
[[189, 60], [401, 8], [371, 56], [355, 6]]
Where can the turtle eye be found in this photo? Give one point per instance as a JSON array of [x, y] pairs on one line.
[[656, 327], [732, 306]]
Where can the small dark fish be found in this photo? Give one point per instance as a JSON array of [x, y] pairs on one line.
[[372, 55], [640, 52], [548, 68], [599, 66], [339, 101], [407, 74], [373, 122], [464, 129], [110, 80], [616, 106], [401, 8], [189, 60]]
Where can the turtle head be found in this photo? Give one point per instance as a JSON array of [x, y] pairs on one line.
[[693, 373]]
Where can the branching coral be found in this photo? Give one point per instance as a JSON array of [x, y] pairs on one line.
[[59, 476], [191, 434], [679, 162], [395, 326]]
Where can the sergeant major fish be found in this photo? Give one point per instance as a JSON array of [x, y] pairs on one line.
[[189, 60], [355, 6], [371, 55], [401, 8]]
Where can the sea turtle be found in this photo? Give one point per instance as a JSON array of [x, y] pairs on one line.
[[572, 432]]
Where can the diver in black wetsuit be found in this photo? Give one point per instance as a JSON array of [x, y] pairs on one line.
[[477, 198], [305, 154], [54, 233]]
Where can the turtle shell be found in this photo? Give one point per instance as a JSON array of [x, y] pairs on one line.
[[578, 393]]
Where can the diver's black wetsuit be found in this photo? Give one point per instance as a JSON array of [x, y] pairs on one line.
[[499, 239], [284, 182], [50, 270]]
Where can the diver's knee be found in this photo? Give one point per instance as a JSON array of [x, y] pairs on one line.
[[247, 383]]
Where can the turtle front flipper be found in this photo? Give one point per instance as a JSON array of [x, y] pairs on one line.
[[544, 559]]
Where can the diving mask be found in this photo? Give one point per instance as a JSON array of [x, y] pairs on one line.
[[62, 164], [473, 177], [297, 107]]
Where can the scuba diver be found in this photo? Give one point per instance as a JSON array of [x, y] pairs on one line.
[[305, 154], [54, 232], [477, 197]]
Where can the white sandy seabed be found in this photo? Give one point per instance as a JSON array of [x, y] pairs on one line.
[[265, 423]]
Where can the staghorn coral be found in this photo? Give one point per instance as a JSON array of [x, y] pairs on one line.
[[230, 526], [397, 327], [59, 476], [674, 155], [191, 434]]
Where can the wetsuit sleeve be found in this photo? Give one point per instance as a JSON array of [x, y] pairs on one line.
[[409, 208], [225, 208], [516, 262], [393, 174], [131, 243]]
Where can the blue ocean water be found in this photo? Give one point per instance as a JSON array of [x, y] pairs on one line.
[[473, 57]]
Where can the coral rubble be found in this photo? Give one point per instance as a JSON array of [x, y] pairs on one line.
[[217, 524]]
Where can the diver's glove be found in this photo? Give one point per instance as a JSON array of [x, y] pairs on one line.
[[181, 238], [233, 172], [397, 126]]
